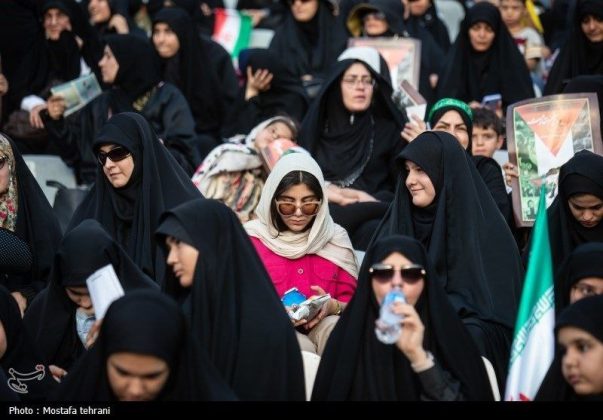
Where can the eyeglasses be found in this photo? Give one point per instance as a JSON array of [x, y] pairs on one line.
[[287, 208], [374, 15], [3, 160], [364, 81], [117, 154], [292, 2], [384, 273]]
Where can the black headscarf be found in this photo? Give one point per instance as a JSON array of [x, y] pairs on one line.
[[233, 307], [131, 213], [582, 174], [36, 225], [146, 322], [579, 56], [586, 314], [470, 75], [589, 83], [330, 134], [433, 24], [51, 318], [309, 47], [138, 70], [586, 260], [22, 362], [64, 53], [191, 70], [356, 366], [468, 240]]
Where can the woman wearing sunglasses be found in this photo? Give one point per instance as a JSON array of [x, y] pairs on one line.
[[442, 201], [301, 246], [226, 294], [25, 211], [434, 358], [137, 180]]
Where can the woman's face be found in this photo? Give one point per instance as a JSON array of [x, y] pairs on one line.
[[135, 376], [55, 22], [592, 27], [587, 209], [276, 130], [588, 286], [412, 290], [302, 197], [81, 297], [374, 23], [4, 175], [418, 7], [451, 122], [99, 11], [582, 363], [357, 85], [303, 10], [481, 36], [165, 40], [118, 173], [108, 66], [182, 257], [419, 185]]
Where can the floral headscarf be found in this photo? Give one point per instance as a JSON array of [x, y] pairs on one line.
[[8, 198]]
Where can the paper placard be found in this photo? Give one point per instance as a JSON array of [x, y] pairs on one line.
[[104, 288]]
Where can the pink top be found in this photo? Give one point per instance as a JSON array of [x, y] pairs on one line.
[[309, 270]]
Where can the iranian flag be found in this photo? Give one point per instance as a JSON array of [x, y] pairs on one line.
[[534, 342], [232, 30]]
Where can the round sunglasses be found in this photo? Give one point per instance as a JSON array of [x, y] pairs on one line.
[[383, 273], [116, 154], [287, 208]]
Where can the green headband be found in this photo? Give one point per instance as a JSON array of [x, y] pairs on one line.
[[451, 103]]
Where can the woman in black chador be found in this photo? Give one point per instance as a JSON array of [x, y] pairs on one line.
[[442, 201], [137, 179], [353, 131], [484, 60], [576, 214], [434, 358], [230, 301], [62, 315], [129, 65], [144, 352], [582, 53]]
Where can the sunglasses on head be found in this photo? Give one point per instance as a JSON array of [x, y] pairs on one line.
[[3, 161], [116, 154], [384, 273], [288, 208]]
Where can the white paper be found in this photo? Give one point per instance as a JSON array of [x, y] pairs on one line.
[[418, 110], [104, 287]]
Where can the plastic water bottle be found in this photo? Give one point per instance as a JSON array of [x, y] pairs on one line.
[[387, 327]]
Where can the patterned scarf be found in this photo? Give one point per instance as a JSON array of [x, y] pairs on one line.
[[9, 196]]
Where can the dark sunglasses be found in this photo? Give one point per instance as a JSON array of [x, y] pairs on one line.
[[287, 208], [117, 154], [375, 15], [3, 160], [384, 273]]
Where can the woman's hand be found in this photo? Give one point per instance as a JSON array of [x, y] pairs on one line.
[[324, 310], [411, 339], [93, 333], [335, 195], [34, 116], [57, 372], [510, 172], [359, 195], [119, 23], [413, 128], [257, 82]]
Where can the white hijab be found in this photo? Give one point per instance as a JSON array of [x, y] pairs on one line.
[[326, 238]]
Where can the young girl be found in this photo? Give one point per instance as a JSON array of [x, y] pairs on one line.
[[301, 246]]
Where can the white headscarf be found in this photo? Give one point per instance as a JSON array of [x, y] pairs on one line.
[[326, 238]]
